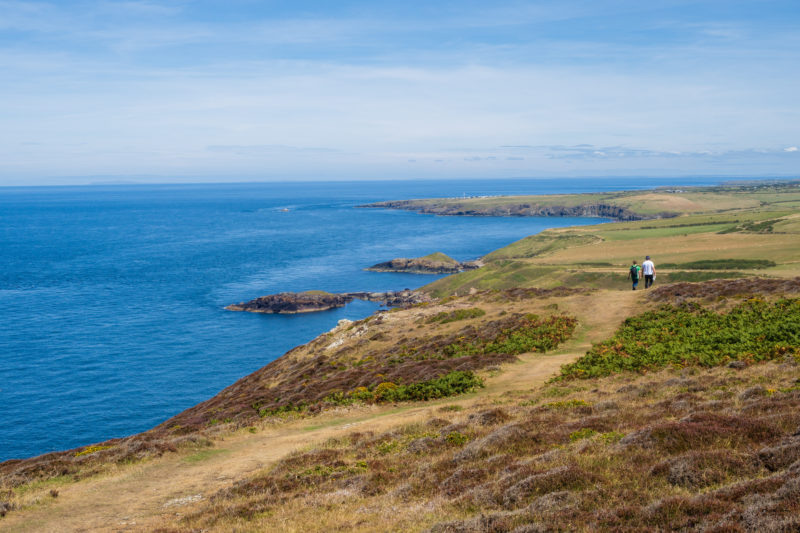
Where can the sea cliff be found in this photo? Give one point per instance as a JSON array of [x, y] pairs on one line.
[[514, 209]]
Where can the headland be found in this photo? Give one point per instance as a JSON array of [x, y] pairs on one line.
[[435, 263]]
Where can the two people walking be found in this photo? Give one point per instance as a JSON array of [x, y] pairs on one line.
[[648, 268]]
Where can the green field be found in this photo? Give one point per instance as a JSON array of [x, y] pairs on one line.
[[721, 233]]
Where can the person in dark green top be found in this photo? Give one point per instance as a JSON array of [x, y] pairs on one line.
[[633, 274]]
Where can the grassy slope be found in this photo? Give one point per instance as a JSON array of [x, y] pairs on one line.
[[390, 492], [642, 203], [598, 256], [439, 257]]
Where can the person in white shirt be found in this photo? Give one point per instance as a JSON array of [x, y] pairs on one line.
[[649, 271]]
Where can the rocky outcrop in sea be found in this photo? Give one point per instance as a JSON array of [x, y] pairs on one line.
[[313, 301], [424, 265]]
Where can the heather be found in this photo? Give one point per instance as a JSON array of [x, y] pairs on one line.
[[693, 449]]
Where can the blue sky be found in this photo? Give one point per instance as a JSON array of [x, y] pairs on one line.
[[257, 90]]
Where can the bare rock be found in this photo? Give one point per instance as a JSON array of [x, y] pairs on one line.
[[293, 302]]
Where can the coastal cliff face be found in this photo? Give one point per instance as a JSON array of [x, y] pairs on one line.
[[518, 210]]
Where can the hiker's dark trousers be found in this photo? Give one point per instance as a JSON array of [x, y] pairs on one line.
[[648, 280]]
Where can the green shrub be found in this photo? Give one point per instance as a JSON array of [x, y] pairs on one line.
[[704, 275], [281, 410], [723, 264], [459, 314], [534, 335], [583, 433], [457, 382], [754, 330], [455, 438], [531, 334], [611, 437]]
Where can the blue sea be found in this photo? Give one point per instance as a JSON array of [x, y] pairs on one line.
[[112, 297]]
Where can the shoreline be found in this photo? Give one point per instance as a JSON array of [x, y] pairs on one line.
[[34, 456]]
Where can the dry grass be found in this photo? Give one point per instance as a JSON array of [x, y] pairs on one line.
[[680, 447], [622, 453]]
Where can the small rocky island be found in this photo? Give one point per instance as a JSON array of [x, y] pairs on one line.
[[435, 263], [311, 301]]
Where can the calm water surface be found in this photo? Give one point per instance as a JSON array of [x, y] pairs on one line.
[[112, 296]]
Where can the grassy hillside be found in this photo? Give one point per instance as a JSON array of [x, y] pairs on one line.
[[538, 393], [622, 205], [739, 240], [440, 257], [686, 448]]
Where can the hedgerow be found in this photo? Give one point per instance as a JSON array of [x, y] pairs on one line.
[[723, 264], [754, 330]]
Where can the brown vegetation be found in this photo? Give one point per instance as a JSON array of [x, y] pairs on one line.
[[632, 454], [720, 288]]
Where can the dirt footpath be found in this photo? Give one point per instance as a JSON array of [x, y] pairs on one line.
[[145, 496]]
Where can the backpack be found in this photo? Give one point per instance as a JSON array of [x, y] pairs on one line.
[[634, 273]]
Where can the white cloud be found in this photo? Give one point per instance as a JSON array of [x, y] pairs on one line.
[[149, 102]]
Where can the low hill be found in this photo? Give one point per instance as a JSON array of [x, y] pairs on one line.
[[435, 263], [623, 205]]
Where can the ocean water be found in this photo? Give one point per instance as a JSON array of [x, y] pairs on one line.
[[111, 297]]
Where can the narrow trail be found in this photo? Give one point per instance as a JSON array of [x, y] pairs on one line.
[[140, 497]]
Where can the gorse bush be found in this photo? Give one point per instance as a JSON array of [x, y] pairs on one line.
[[754, 330]]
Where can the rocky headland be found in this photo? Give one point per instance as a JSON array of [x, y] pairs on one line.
[[451, 207], [311, 301], [436, 263]]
